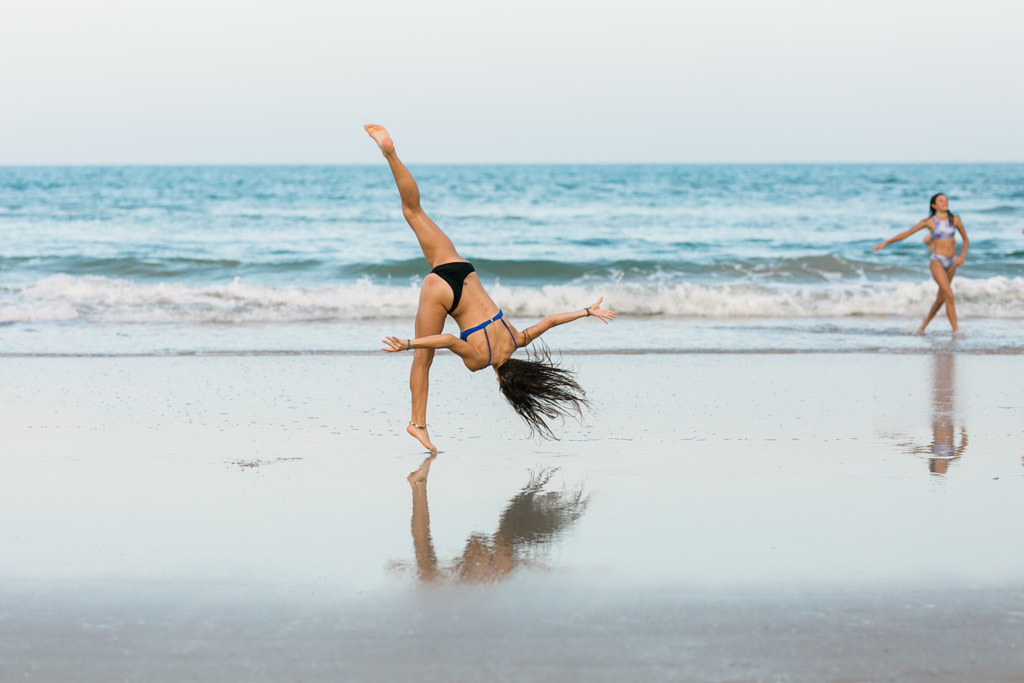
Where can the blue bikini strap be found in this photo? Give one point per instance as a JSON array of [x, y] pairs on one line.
[[510, 333], [479, 327]]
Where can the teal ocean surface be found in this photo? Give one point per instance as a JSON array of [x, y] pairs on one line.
[[703, 258]]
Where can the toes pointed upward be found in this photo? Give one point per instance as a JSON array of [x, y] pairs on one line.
[[380, 136]]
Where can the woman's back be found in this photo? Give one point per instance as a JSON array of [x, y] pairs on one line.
[[495, 341]]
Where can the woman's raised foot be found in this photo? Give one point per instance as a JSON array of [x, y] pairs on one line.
[[381, 137]]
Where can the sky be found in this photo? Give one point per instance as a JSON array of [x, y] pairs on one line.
[[531, 81]]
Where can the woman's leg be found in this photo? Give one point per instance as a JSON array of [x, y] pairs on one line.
[[943, 279], [430, 316], [435, 294], [939, 300], [436, 246]]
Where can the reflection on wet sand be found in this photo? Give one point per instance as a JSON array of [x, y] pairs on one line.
[[531, 520], [943, 449]]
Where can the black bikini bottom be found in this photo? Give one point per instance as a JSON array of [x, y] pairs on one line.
[[455, 274]]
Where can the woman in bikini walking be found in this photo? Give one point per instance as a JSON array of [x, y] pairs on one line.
[[943, 226], [537, 389]]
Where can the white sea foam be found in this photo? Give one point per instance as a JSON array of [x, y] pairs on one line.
[[101, 299], [108, 300], [997, 297]]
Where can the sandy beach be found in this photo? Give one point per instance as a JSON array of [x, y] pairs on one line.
[[719, 517]]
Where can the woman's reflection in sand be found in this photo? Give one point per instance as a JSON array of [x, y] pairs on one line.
[[531, 520], [943, 449]]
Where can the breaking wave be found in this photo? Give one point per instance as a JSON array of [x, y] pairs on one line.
[[99, 299]]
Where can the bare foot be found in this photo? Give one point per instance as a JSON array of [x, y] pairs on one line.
[[958, 334], [381, 137], [419, 433], [420, 475], [919, 331]]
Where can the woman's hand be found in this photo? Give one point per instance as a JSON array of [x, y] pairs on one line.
[[394, 344], [928, 242], [606, 316], [959, 261], [879, 246]]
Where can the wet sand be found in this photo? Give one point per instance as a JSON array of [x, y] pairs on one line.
[[720, 517]]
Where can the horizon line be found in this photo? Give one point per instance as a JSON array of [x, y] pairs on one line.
[[222, 164]]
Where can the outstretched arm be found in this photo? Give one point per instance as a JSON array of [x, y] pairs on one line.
[[902, 236], [473, 360], [534, 331]]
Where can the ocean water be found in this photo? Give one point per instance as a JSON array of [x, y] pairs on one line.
[[701, 258]]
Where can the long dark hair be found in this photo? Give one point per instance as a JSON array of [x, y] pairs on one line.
[[539, 390], [931, 207]]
